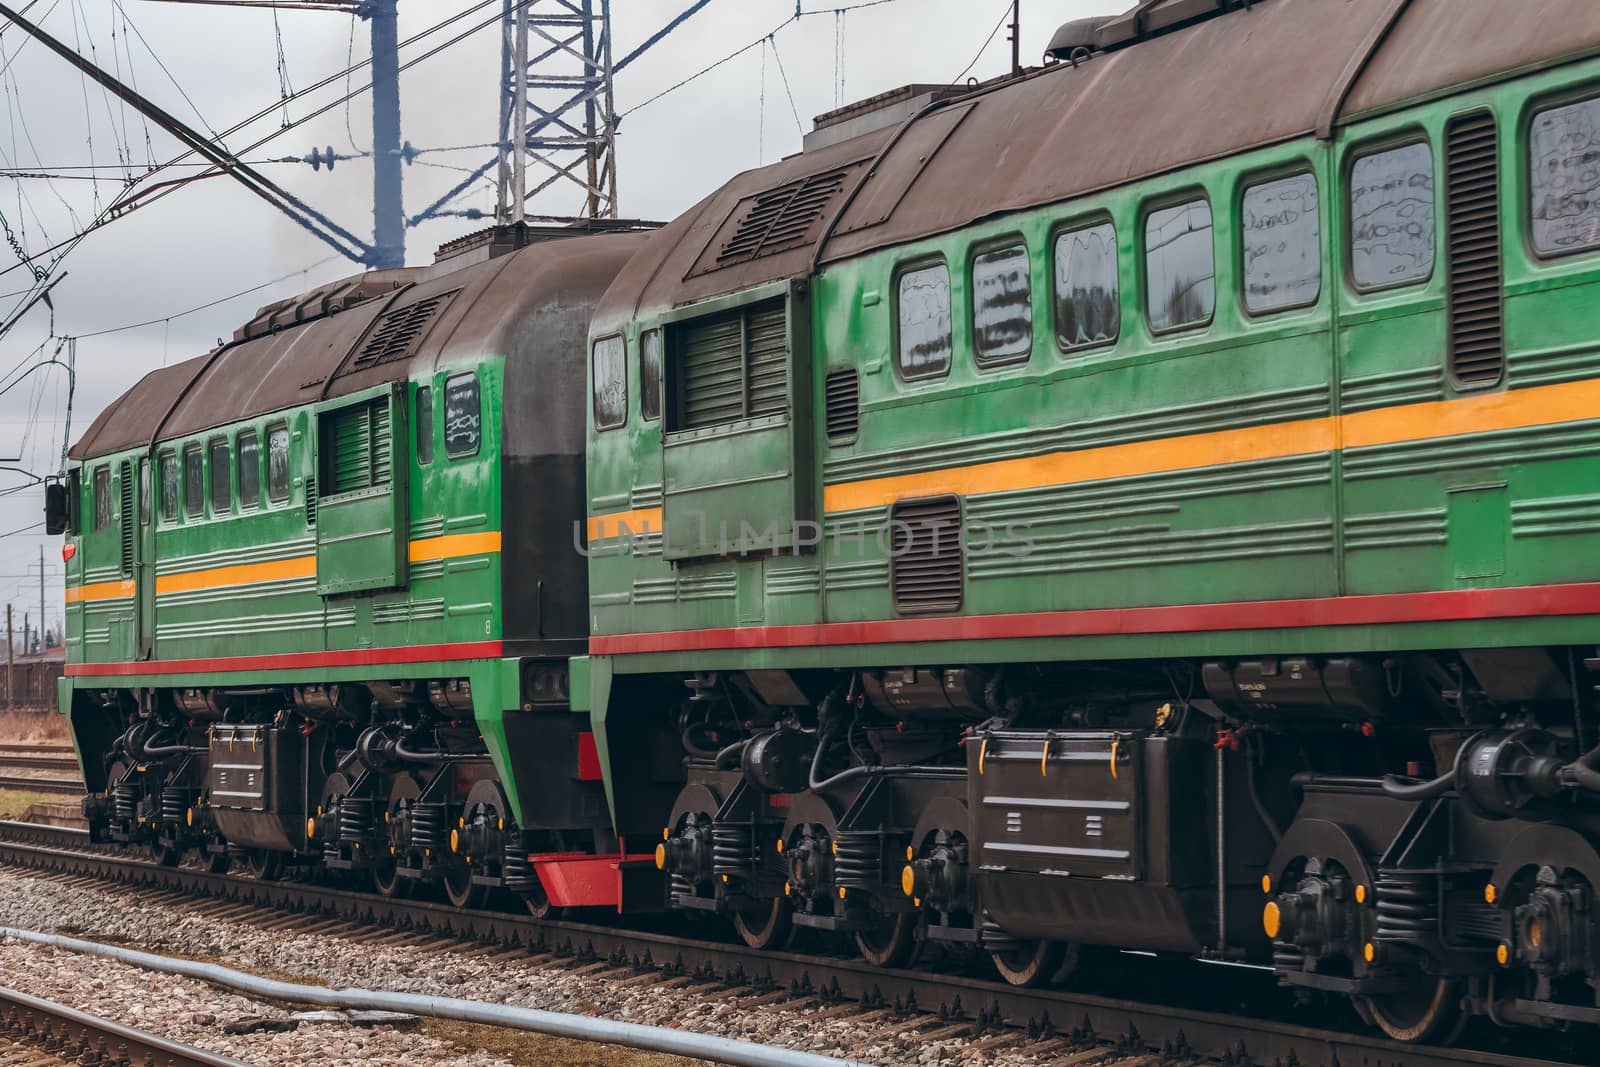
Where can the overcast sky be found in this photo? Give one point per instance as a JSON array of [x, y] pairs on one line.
[[213, 67]]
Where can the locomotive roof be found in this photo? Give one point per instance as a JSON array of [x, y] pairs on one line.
[[363, 331], [1251, 77]]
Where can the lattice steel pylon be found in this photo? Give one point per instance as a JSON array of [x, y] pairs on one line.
[[558, 119]]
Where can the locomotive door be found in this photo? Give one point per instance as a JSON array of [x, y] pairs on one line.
[[737, 449], [363, 525], [144, 567]]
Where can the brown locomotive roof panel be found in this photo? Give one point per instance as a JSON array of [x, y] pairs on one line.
[[432, 319], [1440, 43], [1252, 77]]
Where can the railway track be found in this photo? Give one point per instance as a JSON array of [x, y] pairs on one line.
[[926, 999], [30, 761], [45, 768], [41, 1032], [62, 786]]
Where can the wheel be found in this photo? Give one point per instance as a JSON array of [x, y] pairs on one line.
[[538, 903], [264, 865], [396, 839], [387, 881], [460, 890], [765, 925], [166, 855], [218, 862], [891, 942], [1031, 963], [1426, 1009]]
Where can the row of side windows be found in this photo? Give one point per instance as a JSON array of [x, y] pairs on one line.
[[1392, 243], [199, 475], [1282, 267], [187, 485]]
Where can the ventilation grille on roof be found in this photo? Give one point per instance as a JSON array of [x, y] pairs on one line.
[[1477, 320], [925, 568], [843, 397], [400, 331], [776, 219]]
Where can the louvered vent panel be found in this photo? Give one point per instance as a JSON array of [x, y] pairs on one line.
[[711, 369], [127, 519], [925, 572], [378, 443], [782, 218], [767, 342], [1477, 296], [399, 333], [843, 400], [350, 464], [311, 500]]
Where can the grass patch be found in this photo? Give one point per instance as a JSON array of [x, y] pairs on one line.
[[15, 802], [27, 728], [539, 1050]]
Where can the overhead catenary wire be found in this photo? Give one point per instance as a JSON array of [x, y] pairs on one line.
[[208, 305], [65, 247], [786, 90], [1006, 5], [799, 13]]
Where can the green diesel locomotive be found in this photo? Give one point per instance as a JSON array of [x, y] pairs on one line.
[[1149, 502]]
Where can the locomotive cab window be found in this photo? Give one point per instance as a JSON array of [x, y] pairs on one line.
[[1563, 143], [194, 482], [1282, 237], [1002, 306], [610, 369], [169, 486], [277, 463], [650, 375], [463, 416], [1088, 301], [144, 491], [1392, 217], [221, 478], [249, 470], [102, 498], [1180, 266], [424, 423], [922, 314]]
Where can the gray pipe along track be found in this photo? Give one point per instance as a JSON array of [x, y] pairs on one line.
[[556, 1024]]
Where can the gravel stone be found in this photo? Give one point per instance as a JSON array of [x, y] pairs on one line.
[[190, 1011]]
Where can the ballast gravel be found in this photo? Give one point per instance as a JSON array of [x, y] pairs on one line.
[[198, 1014]]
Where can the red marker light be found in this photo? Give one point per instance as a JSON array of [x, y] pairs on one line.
[[68, 550]]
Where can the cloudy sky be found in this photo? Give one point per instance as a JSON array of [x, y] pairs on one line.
[[213, 67]]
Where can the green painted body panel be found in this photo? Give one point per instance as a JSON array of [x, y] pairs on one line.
[[252, 594], [449, 591], [1500, 508]]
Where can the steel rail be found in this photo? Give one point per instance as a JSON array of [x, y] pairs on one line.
[[63, 786], [70, 1034], [1135, 1026], [18, 761]]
